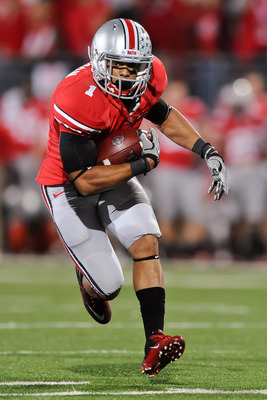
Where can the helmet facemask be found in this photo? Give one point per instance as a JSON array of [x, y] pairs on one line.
[[125, 87]]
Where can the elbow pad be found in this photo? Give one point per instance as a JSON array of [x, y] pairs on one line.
[[159, 112]]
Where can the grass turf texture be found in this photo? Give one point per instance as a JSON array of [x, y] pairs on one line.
[[47, 335]]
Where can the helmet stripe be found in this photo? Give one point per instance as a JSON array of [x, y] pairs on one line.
[[131, 40]]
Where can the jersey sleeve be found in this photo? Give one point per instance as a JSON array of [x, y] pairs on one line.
[[77, 152]]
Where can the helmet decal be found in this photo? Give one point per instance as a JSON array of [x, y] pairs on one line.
[[131, 34]]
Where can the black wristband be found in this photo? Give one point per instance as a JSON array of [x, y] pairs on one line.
[[153, 157], [214, 154], [140, 166], [201, 147]]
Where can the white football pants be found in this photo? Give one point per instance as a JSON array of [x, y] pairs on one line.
[[82, 221]]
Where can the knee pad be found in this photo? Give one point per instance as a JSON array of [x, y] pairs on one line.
[[104, 293], [112, 296]]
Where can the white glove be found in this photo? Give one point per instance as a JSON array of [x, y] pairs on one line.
[[218, 171], [151, 148]]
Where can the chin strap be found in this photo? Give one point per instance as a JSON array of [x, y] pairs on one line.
[[154, 257]]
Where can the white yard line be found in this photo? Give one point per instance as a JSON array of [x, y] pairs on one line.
[[41, 383], [72, 352], [137, 393], [87, 325], [217, 308], [76, 352]]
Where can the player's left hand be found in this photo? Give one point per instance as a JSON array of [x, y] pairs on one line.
[[218, 171], [151, 148]]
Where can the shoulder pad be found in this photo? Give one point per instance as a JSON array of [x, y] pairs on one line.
[[158, 78]]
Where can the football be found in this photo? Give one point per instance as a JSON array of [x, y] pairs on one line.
[[120, 146]]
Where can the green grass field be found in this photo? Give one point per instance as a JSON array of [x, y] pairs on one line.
[[50, 347]]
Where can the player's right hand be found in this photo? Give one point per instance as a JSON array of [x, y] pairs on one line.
[[151, 148]]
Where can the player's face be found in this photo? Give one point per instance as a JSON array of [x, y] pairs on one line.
[[125, 71]]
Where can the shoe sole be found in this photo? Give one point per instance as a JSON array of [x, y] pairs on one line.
[[101, 319], [170, 353]]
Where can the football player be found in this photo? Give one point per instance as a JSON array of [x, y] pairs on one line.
[[121, 85]]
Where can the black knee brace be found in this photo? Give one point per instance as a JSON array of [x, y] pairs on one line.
[[154, 257]]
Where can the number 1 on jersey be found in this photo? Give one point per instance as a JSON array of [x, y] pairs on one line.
[[91, 90]]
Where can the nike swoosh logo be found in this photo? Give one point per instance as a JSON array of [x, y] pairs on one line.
[[57, 194], [100, 317], [154, 347]]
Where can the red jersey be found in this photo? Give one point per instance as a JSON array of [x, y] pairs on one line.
[[79, 106]]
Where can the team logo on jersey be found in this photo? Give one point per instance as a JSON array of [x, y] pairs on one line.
[[117, 140]]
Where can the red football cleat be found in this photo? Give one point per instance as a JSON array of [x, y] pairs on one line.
[[98, 309], [161, 350]]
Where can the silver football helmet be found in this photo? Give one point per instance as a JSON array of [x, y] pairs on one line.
[[119, 42]]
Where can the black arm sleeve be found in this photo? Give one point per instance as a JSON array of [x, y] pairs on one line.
[[77, 152], [159, 112]]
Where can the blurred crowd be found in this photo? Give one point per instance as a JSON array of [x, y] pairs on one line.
[[215, 53]]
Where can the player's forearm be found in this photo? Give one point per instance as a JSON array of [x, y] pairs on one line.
[[179, 130], [101, 177]]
